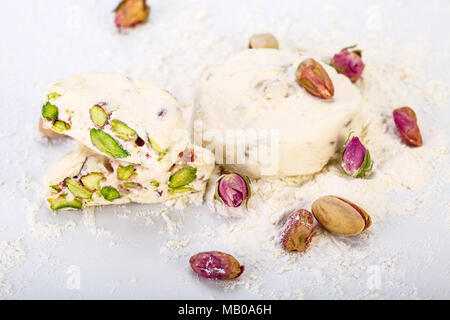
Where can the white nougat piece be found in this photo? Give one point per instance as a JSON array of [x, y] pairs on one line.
[[281, 129], [143, 124], [66, 187]]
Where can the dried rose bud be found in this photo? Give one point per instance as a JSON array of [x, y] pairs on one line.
[[313, 77], [233, 190], [406, 122], [355, 159], [130, 13], [349, 63], [298, 231], [216, 265]]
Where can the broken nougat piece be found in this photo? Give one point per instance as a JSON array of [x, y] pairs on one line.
[[118, 117], [83, 178]]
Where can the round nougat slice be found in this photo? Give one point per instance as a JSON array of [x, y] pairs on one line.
[[260, 121]]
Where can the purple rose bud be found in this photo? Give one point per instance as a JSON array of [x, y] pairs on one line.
[[355, 159], [349, 63], [233, 190]]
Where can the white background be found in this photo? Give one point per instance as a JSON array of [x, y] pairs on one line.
[[43, 41]]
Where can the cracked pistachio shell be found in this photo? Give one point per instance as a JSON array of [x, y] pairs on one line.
[[263, 41], [340, 216]]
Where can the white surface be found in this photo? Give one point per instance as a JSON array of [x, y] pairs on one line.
[[43, 41]]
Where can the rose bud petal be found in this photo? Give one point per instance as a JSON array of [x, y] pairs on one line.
[[349, 63], [406, 123], [313, 77], [298, 231], [216, 265], [130, 13], [355, 159], [233, 190]]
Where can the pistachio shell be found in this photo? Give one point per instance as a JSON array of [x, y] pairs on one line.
[[263, 41], [340, 216]]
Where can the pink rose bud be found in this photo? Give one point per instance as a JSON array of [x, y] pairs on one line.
[[349, 63], [233, 190], [355, 159], [314, 78], [130, 13], [406, 122]]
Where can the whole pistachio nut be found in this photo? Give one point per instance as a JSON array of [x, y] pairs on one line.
[[349, 63], [233, 190], [340, 216], [130, 13], [312, 76], [263, 41], [106, 144], [182, 177], [298, 231], [406, 122], [216, 265], [355, 159]]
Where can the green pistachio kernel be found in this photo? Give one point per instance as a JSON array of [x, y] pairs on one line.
[[56, 187], [60, 126], [157, 147], [122, 131], [49, 111], [107, 144], [53, 96], [182, 177], [110, 194], [57, 204], [92, 181], [98, 116], [124, 173], [180, 190], [154, 183], [130, 184], [77, 190]]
